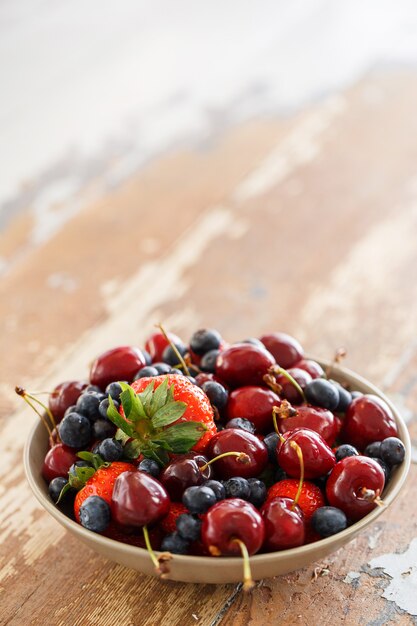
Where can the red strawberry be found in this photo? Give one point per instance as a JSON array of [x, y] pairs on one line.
[[311, 497], [168, 524], [101, 484]]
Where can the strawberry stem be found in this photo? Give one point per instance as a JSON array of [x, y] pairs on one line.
[[242, 457], [175, 349], [299, 453], [248, 582]]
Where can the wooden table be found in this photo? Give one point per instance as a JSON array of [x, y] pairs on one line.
[[305, 223]]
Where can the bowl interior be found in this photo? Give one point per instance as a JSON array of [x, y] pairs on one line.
[[221, 570]]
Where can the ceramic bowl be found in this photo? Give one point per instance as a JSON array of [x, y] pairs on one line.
[[224, 569]]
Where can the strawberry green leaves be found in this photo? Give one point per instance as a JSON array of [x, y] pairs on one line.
[[181, 437], [79, 475]]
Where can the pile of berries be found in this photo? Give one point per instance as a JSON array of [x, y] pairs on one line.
[[216, 449]]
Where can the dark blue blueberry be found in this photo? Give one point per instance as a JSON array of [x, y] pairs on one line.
[[237, 487], [55, 487], [175, 544], [345, 450], [242, 423], [385, 468], [216, 393], [257, 494], [95, 514], [271, 441], [147, 371], [188, 527], [279, 474], [194, 371], [104, 405], [204, 340], [392, 451], [147, 357], [102, 429], [93, 388], [114, 390], [208, 362], [373, 449], [110, 450], [217, 487], [321, 481], [198, 499], [80, 463], [345, 398], [88, 403], [75, 430], [150, 467], [328, 520], [356, 394], [176, 372], [321, 392], [192, 380], [161, 368], [70, 409], [169, 356]]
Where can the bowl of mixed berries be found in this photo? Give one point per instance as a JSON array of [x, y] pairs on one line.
[[213, 462]]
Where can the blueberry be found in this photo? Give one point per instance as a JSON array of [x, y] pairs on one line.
[[373, 449], [102, 429], [216, 393], [392, 451], [169, 356], [205, 340], [257, 494], [198, 499], [237, 487], [95, 514], [110, 450], [217, 487], [321, 481], [75, 430], [149, 466], [208, 362], [147, 371], [70, 409], [356, 394], [55, 487], [80, 463], [255, 342], [385, 468], [345, 450], [175, 544], [242, 423], [114, 390], [279, 474], [194, 371], [161, 368], [88, 403], [188, 527], [345, 398], [93, 388], [192, 380], [147, 357], [176, 372], [321, 392], [328, 520], [104, 405], [271, 442]]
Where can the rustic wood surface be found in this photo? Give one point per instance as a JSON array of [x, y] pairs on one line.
[[305, 223]]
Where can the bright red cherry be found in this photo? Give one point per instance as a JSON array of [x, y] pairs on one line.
[[243, 364], [289, 391], [57, 461], [65, 395], [237, 440], [285, 349], [138, 499], [368, 419], [117, 364], [318, 457], [322, 421], [354, 486], [156, 344], [229, 520], [255, 404], [184, 472], [311, 367], [284, 524]]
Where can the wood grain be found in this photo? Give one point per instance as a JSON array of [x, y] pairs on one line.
[[306, 224]]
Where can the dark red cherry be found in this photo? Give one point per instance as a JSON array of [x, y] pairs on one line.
[[156, 344], [237, 440], [138, 499], [243, 364], [117, 364], [311, 367], [285, 349], [229, 520], [322, 421], [65, 395], [57, 462], [255, 404], [289, 391], [184, 472], [205, 377], [354, 485], [368, 419], [318, 457], [284, 524]]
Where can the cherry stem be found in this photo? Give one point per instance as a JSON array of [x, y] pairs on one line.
[[149, 547], [175, 349], [248, 582], [294, 445], [338, 357], [242, 457], [22, 393], [276, 369], [275, 412], [372, 496], [271, 382]]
